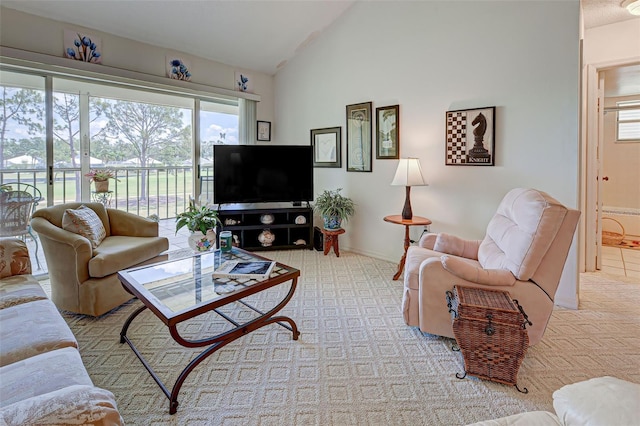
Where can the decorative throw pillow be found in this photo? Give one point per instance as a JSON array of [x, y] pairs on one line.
[[84, 221], [14, 258]]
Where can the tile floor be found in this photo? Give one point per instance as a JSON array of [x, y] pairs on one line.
[[615, 261], [621, 261]]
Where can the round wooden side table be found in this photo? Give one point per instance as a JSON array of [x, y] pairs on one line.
[[414, 221]]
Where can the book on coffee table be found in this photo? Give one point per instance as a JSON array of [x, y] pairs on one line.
[[254, 269]]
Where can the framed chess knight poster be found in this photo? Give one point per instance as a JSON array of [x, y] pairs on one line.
[[470, 137]]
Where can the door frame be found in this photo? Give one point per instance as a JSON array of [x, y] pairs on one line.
[[592, 142]]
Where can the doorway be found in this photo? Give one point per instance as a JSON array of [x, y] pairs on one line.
[[612, 172]]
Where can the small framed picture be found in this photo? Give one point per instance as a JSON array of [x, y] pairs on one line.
[[388, 132], [327, 147], [470, 137], [359, 137], [82, 47], [264, 130]]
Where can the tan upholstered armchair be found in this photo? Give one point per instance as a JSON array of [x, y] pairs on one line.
[[83, 278], [523, 252]]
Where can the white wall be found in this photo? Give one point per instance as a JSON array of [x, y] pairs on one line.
[[35, 34], [614, 42], [621, 164], [430, 57]]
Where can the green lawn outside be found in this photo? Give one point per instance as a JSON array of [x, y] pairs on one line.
[[167, 193]]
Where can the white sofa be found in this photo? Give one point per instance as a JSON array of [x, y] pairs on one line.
[[601, 401], [43, 380]]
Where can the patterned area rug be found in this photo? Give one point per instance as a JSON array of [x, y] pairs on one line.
[[356, 362]]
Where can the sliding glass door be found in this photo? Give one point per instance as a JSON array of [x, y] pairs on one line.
[[66, 167], [218, 125], [144, 136], [147, 138]]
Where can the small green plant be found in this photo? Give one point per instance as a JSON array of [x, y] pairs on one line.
[[333, 204], [5, 188], [197, 218]]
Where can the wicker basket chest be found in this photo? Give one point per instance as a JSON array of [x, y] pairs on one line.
[[489, 328]]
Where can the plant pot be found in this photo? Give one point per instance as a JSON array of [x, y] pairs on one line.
[[202, 242], [102, 185], [332, 222]]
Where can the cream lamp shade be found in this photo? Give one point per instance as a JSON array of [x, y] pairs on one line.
[[408, 174]]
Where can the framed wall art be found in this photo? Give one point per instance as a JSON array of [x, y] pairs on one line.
[[243, 82], [82, 47], [177, 68], [470, 137], [388, 132], [359, 155], [327, 147], [264, 130]]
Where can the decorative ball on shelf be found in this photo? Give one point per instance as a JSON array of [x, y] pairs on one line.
[[301, 220], [267, 219], [266, 238]]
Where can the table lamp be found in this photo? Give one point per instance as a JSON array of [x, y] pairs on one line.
[[408, 174]]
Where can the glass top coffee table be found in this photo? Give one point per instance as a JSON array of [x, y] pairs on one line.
[[180, 289]]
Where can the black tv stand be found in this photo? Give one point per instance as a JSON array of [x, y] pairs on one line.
[[246, 224]]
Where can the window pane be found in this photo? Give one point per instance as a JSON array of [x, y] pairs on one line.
[[629, 114], [22, 141], [149, 146], [218, 125], [143, 135], [628, 121], [629, 131], [66, 143]]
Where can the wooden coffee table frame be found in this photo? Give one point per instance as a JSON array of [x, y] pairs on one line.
[[214, 343]]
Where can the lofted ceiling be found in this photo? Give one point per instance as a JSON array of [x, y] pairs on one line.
[[250, 34], [259, 35]]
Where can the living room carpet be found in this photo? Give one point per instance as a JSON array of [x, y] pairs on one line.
[[356, 361]]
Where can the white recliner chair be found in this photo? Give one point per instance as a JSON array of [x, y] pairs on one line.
[[523, 252]]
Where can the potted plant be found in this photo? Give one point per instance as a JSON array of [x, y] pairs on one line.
[[334, 208], [201, 221], [101, 178]]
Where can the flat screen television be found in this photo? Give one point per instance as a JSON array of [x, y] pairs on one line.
[[260, 173]]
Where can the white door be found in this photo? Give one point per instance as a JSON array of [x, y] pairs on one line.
[[592, 210]]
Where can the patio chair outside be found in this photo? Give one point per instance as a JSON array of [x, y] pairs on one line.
[[16, 207]]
